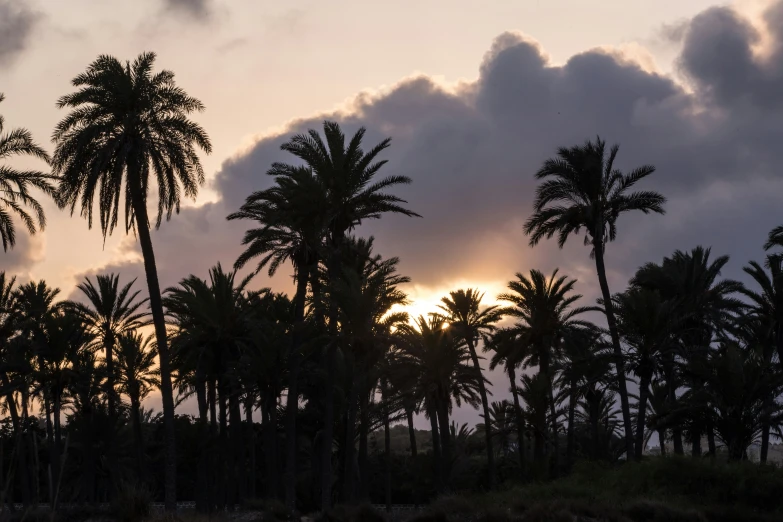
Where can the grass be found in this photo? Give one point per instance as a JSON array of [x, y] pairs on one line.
[[655, 490]]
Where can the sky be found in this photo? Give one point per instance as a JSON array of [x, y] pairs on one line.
[[474, 96]]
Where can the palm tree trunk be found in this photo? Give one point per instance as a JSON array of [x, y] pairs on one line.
[[644, 391], [270, 445], [364, 432], [445, 439], [619, 360], [711, 449], [327, 434], [512, 377], [764, 443], [662, 441], [225, 485], [487, 419], [570, 442], [156, 306], [387, 449], [56, 465], [237, 442], [138, 438], [21, 450], [292, 406], [251, 446], [50, 442], [436, 450], [204, 496], [411, 433], [349, 447], [696, 444]]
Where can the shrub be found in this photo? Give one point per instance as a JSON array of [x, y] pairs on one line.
[[132, 503]]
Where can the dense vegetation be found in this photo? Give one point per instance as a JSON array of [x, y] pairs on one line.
[[310, 399]]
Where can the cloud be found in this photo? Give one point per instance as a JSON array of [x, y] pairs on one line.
[[17, 23], [198, 9], [472, 150], [28, 251]]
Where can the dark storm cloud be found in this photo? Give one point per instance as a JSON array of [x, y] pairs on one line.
[[17, 22], [198, 9], [472, 152]]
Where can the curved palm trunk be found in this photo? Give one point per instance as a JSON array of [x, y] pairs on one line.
[[644, 391], [292, 405], [487, 418], [619, 360], [156, 306]]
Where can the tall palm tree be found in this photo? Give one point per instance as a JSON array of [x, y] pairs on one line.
[[292, 224], [583, 189], [127, 125], [346, 172], [110, 312], [462, 310], [137, 378], [15, 184], [544, 311]]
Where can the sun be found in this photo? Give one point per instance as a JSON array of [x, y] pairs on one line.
[[424, 300]]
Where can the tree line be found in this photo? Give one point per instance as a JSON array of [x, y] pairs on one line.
[[339, 362]]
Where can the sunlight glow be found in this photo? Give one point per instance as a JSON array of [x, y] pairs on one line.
[[425, 299]]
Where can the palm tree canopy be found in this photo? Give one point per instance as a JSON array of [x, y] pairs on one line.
[[136, 365], [462, 310], [127, 123], [292, 218], [15, 185], [112, 310], [583, 189], [346, 174], [543, 308]]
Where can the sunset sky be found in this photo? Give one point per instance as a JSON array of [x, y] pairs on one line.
[[475, 98]]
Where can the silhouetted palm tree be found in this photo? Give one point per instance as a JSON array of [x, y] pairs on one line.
[[346, 172], [292, 225], [137, 378], [462, 310], [128, 125], [582, 189], [542, 308], [15, 184], [110, 312]]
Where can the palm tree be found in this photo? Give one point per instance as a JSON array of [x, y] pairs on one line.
[[542, 307], [767, 310], [462, 311], [439, 359], [137, 378], [15, 184], [648, 325], [346, 172], [110, 313], [9, 366], [292, 218], [707, 308], [583, 189], [126, 124], [213, 321]]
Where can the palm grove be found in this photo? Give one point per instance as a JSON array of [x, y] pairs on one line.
[[331, 369]]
